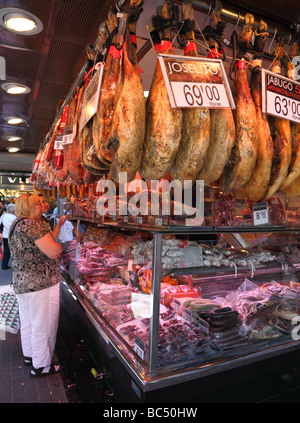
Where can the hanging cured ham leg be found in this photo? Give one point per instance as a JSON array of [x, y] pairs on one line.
[[103, 119], [282, 137], [195, 122], [294, 168], [128, 125], [89, 158], [163, 124], [243, 157], [256, 188], [222, 127]]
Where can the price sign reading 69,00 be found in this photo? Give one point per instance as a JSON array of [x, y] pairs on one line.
[[281, 96], [196, 82], [200, 95]]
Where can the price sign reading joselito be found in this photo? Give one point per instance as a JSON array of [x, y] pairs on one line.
[[280, 96], [196, 82]]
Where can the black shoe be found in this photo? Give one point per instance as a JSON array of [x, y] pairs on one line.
[[5, 268], [27, 361], [44, 371]]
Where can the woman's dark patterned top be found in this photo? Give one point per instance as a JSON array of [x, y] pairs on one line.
[[32, 270]]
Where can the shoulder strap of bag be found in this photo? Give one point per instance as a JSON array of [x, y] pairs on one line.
[[14, 226]]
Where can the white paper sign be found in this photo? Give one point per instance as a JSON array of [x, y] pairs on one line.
[[281, 96], [91, 98], [196, 82], [67, 138], [58, 143]]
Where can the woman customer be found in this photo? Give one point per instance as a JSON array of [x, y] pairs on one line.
[[36, 277], [7, 219]]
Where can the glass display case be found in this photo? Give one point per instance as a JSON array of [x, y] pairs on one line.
[[178, 303]]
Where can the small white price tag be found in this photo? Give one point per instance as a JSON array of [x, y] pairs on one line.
[[260, 214], [188, 315], [58, 143], [139, 347], [176, 305], [67, 138], [280, 96], [158, 221], [196, 82]]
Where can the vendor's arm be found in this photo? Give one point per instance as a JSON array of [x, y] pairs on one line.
[[49, 246], [57, 228]]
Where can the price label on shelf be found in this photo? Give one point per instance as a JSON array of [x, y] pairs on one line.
[[196, 82], [188, 315], [139, 347], [280, 96], [260, 214], [176, 305]]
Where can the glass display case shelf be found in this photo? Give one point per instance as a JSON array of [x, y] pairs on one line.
[[175, 305]]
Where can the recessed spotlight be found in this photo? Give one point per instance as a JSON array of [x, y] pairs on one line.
[[13, 149], [20, 21], [11, 138], [12, 88], [19, 24], [14, 120]]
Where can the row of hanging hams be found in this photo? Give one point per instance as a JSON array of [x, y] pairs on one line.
[[240, 149]]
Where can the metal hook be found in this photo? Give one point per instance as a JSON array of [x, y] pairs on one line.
[[237, 22], [289, 39], [208, 13], [269, 51]]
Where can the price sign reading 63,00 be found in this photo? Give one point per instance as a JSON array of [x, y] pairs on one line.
[[281, 96]]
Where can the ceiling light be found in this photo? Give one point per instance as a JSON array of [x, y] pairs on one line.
[[13, 149], [13, 120], [20, 21], [11, 138], [12, 88]]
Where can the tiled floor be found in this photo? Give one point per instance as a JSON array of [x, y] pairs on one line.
[[16, 385], [73, 384]]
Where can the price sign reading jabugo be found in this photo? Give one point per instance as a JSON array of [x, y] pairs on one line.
[[280, 96], [196, 82]]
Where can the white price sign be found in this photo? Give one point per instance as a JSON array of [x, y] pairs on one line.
[[196, 82], [281, 96], [260, 214], [67, 138], [91, 97], [199, 95], [58, 143]]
